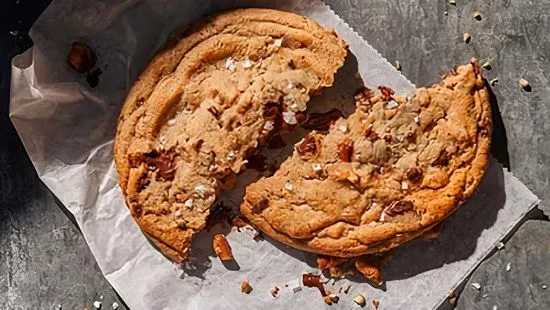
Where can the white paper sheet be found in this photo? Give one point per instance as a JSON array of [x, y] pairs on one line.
[[68, 128]]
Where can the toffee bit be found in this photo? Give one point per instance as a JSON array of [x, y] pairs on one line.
[[312, 280]]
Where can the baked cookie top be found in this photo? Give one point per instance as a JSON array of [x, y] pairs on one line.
[[204, 103], [386, 174]]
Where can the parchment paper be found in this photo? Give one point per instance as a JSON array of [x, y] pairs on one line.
[[67, 129]]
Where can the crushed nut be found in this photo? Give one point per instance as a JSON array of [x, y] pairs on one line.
[[222, 248], [397, 65], [466, 37], [360, 300], [508, 267], [476, 285], [274, 291], [312, 280], [245, 287], [477, 15], [494, 81], [375, 303], [370, 271]]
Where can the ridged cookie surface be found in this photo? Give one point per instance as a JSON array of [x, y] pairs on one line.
[[386, 174], [204, 103]]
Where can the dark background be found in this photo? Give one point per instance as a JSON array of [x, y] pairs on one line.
[[45, 262]]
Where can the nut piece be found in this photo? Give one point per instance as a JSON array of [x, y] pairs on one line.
[[81, 57], [222, 248], [360, 300], [375, 303], [370, 271], [477, 15], [309, 147], [245, 287], [274, 291], [331, 298], [399, 207], [466, 37]]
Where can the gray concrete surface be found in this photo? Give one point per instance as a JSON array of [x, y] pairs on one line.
[[44, 260]]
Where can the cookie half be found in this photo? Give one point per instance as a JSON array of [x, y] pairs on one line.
[[389, 172], [204, 103]]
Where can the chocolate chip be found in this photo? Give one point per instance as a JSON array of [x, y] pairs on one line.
[[399, 207], [386, 93], [163, 163]]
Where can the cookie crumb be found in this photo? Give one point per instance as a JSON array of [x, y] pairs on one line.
[[97, 304], [544, 286], [294, 286], [375, 303], [494, 81], [466, 37], [476, 285], [524, 84], [274, 291], [477, 15], [398, 65], [486, 65], [346, 290], [58, 307], [360, 300], [245, 287], [508, 267], [445, 13], [495, 307], [115, 305], [452, 2]]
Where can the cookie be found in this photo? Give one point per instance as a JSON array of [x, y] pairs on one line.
[[389, 172], [204, 103]]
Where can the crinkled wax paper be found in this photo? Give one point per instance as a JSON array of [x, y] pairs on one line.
[[68, 129]]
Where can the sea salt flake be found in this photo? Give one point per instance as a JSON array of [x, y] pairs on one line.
[[269, 125], [476, 285], [231, 155], [404, 185], [317, 167], [500, 246], [230, 64], [115, 305], [417, 119], [97, 304], [290, 118], [343, 128], [247, 63], [288, 186], [278, 42], [202, 190], [508, 267], [171, 122], [392, 104]]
